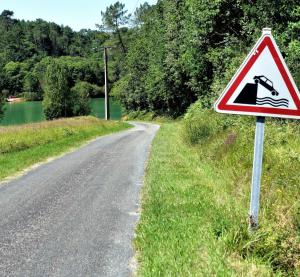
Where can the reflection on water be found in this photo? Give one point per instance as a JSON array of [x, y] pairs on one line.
[[27, 112]]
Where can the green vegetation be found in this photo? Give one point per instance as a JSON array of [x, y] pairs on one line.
[[23, 146], [186, 50], [113, 19], [164, 58], [196, 200], [28, 48], [59, 100]]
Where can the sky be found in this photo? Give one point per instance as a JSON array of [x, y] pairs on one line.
[[78, 14]]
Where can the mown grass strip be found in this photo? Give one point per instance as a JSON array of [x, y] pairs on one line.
[[196, 198], [25, 145]]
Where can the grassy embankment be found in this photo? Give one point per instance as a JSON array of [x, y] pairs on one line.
[[25, 145], [196, 199]]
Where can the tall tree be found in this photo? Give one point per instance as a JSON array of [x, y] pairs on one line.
[[114, 18], [57, 92], [6, 19], [59, 99]]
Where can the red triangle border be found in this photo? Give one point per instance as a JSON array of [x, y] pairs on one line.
[[222, 103]]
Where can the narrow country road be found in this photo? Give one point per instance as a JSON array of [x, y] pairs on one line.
[[75, 216]]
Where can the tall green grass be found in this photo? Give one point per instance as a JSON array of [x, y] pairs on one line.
[[196, 200], [24, 145]]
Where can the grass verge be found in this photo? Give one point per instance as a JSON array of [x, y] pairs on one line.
[[196, 198], [25, 145]]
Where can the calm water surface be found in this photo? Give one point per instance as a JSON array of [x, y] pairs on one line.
[[27, 112]]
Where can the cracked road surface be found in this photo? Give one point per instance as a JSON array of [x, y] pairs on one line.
[[75, 216]]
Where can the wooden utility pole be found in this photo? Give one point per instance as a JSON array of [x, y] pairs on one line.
[[107, 112]]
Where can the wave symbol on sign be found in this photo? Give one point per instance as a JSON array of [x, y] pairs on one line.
[[273, 102]]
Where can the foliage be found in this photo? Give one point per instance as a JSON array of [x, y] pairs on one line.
[[21, 40], [195, 128], [60, 100], [164, 59], [90, 89], [81, 98], [14, 75], [114, 18], [83, 69], [32, 88], [57, 99], [28, 47], [185, 50]]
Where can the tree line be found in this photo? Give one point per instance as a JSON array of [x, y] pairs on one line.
[[41, 60], [187, 50], [164, 57]]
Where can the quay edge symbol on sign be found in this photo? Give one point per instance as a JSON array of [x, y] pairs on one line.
[[263, 85]]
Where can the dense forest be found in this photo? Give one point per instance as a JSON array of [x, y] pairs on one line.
[[184, 50], [164, 57], [41, 60]]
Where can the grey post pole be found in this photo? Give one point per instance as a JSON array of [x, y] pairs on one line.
[[257, 165], [256, 174], [107, 113]]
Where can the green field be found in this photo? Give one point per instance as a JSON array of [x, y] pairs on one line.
[[25, 145], [196, 199]]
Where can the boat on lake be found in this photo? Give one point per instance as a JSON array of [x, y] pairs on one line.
[[12, 99]]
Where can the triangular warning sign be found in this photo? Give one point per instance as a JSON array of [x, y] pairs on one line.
[[263, 85]]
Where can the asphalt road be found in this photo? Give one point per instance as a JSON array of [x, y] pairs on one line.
[[76, 215]]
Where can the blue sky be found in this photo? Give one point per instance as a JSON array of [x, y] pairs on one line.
[[77, 14]]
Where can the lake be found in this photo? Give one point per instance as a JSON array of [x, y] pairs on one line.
[[27, 112]]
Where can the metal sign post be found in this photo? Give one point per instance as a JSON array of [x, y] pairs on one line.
[[256, 173]]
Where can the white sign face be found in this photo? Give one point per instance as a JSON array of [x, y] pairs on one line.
[[262, 86]]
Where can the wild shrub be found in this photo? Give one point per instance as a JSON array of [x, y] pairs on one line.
[[199, 124]]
